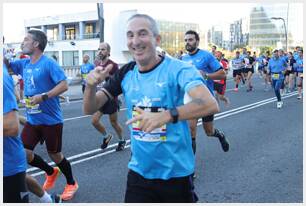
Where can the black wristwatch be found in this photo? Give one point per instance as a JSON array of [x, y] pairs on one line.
[[44, 96], [174, 114]]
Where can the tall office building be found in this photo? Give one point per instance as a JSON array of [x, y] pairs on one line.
[[265, 31]]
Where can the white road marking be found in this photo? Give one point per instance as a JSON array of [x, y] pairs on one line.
[[218, 116]]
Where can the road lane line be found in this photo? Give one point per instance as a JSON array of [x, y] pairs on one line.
[[224, 115]]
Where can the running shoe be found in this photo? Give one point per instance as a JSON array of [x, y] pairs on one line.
[[121, 145], [236, 90], [299, 97], [224, 142], [279, 105], [69, 191], [56, 198], [51, 179], [106, 141]]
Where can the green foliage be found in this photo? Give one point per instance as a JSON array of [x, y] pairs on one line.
[[264, 49]]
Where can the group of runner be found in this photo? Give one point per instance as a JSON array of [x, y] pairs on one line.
[[281, 71], [164, 97]]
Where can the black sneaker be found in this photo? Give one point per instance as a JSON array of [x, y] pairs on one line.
[[224, 142], [106, 141], [56, 198], [121, 145]]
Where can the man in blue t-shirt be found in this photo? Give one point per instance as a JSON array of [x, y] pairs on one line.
[[14, 158], [299, 72], [211, 70], [44, 81], [277, 67], [153, 86], [85, 68]]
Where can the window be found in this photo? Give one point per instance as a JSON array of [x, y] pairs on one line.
[[70, 32], [89, 31], [92, 55], [51, 54], [52, 33], [70, 58]]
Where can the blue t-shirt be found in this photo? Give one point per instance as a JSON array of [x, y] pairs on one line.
[[299, 65], [295, 55], [237, 63], [260, 60], [85, 69], [38, 78], [277, 65], [205, 61], [285, 57], [165, 152], [14, 158]]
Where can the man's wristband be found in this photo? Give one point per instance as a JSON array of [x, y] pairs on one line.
[[174, 114], [44, 96]]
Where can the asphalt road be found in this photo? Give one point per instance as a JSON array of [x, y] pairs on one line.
[[264, 163]]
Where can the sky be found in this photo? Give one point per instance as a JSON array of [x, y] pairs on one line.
[[206, 14]]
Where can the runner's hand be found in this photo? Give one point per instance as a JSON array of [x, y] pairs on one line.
[[98, 75], [150, 120], [36, 99]]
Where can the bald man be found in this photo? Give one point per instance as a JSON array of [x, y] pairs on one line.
[[112, 106], [85, 68]]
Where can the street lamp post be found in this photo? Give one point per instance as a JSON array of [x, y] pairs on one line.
[[286, 35], [101, 20]]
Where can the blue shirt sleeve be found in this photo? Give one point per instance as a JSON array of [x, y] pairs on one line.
[[92, 67], [18, 65], [56, 72], [214, 65], [189, 77]]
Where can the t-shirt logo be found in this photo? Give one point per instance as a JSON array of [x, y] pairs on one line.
[[145, 102]]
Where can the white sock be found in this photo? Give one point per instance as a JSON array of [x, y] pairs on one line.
[[46, 198]]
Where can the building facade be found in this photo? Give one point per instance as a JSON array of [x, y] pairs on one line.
[[268, 29], [71, 36]]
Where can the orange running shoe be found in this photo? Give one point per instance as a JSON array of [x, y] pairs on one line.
[[69, 191], [50, 180]]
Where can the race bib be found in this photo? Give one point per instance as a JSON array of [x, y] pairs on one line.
[[30, 108], [84, 76], [157, 135], [275, 76]]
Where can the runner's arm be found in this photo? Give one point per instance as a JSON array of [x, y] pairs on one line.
[[10, 124], [58, 89], [218, 75]]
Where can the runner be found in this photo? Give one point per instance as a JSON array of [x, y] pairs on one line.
[[267, 75], [243, 56], [14, 159], [85, 68], [111, 107], [277, 68], [211, 70], [299, 70], [162, 161], [220, 85], [249, 62], [44, 81], [237, 65], [289, 73]]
